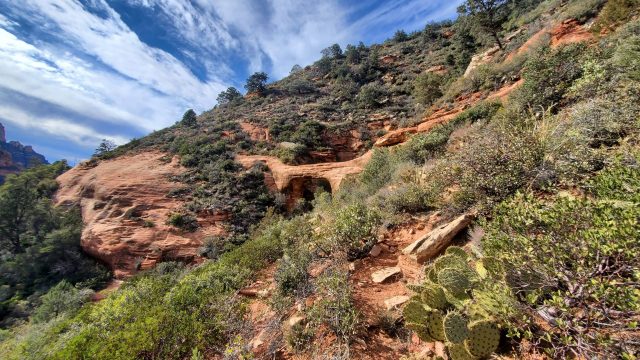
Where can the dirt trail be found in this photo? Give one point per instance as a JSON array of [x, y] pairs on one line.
[[372, 298]]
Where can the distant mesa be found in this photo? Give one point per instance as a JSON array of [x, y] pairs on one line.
[[15, 157]]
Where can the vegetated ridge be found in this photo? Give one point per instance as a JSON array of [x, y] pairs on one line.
[[466, 191]]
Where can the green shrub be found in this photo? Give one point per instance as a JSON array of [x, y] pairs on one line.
[[411, 198], [379, 170], [335, 307], [290, 154], [291, 273], [566, 261], [495, 164], [423, 147], [59, 300], [548, 75], [183, 221], [426, 88], [614, 13], [371, 96], [354, 229], [299, 337]]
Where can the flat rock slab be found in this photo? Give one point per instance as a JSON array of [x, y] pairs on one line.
[[394, 302], [386, 274]]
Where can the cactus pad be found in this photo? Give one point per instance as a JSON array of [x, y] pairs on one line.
[[434, 297], [455, 327], [420, 330], [484, 338], [430, 271], [455, 281], [458, 251], [414, 312], [448, 261], [434, 324], [459, 352], [415, 288]]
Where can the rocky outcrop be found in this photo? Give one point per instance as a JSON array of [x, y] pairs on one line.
[[256, 133], [480, 59], [15, 157], [438, 239], [569, 31], [284, 176], [124, 206], [442, 115]]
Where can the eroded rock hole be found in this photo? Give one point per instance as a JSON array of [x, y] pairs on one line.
[[302, 191]]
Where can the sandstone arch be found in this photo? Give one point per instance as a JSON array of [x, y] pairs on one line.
[[288, 178]]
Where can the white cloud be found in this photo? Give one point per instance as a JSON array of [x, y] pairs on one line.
[[88, 70], [55, 127], [109, 39]]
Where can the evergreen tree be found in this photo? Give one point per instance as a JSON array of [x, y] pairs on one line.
[[256, 83], [487, 15], [229, 96], [189, 118], [104, 147]]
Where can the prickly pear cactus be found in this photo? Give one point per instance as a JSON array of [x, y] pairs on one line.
[[435, 324], [414, 312], [416, 288], [455, 281], [457, 251], [459, 352], [484, 338], [420, 330], [452, 283], [455, 327], [431, 273], [449, 261], [434, 297]]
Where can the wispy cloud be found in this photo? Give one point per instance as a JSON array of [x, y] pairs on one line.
[[80, 71], [64, 128]]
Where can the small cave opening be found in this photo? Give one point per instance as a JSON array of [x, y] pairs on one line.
[[301, 192]]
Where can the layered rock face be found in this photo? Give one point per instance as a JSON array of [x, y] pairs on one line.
[[294, 181], [125, 206], [15, 157]]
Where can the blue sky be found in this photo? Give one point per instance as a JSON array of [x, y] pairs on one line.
[[77, 71]]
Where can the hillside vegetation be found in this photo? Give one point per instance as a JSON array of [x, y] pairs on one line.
[[550, 174]]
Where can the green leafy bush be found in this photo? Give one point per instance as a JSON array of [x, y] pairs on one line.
[[548, 75], [182, 221], [60, 299], [426, 88], [566, 261], [335, 306], [355, 229], [371, 95]]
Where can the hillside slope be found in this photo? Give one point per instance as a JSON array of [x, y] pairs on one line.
[[430, 197]]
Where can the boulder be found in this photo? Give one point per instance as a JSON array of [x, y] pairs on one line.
[[375, 251], [396, 301], [386, 274], [436, 240]]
